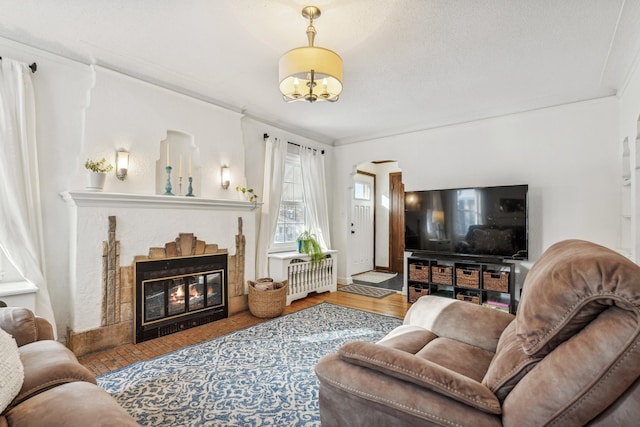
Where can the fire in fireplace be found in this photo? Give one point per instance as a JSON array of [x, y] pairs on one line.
[[173, 294]]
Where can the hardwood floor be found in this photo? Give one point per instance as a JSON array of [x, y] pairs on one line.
[[100, 363]]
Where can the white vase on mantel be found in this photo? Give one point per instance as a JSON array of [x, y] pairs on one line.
[[96, 181]]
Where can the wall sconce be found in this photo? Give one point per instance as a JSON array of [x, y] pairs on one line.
[[226, 177], [122, 164]]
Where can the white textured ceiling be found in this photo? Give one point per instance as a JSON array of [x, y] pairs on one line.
[[408, 64]]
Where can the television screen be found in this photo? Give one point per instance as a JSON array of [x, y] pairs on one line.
[[486, 221]]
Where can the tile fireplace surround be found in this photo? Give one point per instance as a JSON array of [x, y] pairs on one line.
[[109, 231]]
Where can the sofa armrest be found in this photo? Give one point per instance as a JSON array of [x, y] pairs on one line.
[[24, 326], [45, 330], [462, 321], [48, 364]]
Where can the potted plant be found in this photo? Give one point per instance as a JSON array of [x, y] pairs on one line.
[[307, 244], [97, 173], [247, 192]]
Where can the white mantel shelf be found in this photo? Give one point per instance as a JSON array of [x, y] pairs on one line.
[[102, 199]]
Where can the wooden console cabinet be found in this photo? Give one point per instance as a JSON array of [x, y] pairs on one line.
[[489, 282]]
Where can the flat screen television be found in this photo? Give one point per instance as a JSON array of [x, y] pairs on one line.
[[489, 222]]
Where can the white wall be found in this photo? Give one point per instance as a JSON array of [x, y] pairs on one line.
[[125, 112], [567, 155], [629, 128]]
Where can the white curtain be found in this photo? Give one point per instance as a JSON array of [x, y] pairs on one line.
[[21, 235], [315, 194], [274, 162]]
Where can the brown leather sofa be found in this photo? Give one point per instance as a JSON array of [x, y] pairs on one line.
[[57, 390], [569, 357]]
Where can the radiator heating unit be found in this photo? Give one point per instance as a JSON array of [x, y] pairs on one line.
[[304, 277]]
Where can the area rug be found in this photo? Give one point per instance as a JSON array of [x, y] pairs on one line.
[[373, 276], [259, 376], [366, 291]]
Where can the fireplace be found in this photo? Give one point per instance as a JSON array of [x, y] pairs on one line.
[[103, 306], [173, 294]]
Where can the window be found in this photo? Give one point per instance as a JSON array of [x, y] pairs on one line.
[[291, 218], [362, 191], [469, 209]]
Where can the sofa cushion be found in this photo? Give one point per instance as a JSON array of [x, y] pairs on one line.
[[407, 367], [465, 359], [570, 285], [458, 320], [48, 364], [427, 345], [509, 364], [11, 370]]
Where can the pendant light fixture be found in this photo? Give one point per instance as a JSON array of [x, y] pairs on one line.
[[310, 73]]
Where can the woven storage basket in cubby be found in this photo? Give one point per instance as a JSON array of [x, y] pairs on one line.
[[419, 272], [269, 303], [475, 299], [416, 292], [468, 277], [442, 274], [496, 281]]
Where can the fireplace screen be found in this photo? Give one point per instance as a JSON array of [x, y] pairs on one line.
[[183, 294], [179, 293]]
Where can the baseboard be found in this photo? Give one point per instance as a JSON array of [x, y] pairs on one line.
[[345, 280]]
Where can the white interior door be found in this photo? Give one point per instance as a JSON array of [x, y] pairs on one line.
[[362, 202]]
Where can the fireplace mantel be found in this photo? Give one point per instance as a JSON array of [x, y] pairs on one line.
[[102, 199]]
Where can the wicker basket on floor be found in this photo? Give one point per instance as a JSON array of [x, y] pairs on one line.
[[270, 303]]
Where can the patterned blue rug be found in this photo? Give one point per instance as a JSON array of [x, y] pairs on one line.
[[259, 376]]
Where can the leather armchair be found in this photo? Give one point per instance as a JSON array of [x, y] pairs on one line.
[[57, 390], [569, 357]]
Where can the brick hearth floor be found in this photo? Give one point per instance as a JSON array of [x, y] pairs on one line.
[[119, 357]]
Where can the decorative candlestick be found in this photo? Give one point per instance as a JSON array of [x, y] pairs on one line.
[[167, 188], [190, 193], [179, 186]]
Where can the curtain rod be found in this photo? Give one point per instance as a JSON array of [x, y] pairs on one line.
[[34, 66], [266, 135]]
